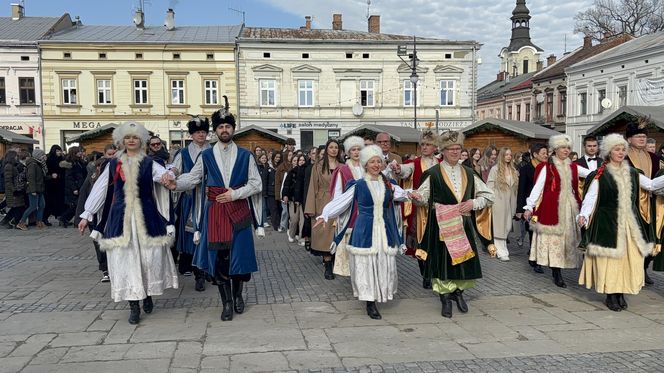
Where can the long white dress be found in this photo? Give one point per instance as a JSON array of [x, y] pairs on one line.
[[136, 270], [373, 276], [341, 259]]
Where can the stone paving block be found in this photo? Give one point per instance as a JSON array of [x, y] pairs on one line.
[[78, 339], [168, 331], [311, 359], [395, 345], [251, 337], [182, 370], [101, 326], [567, 302], [96, 353], [350, 362], [516, 348], [49, 356], [507, 302], [525, 316], [153, 350], [259, 362], [187, 355], [529, 333], [125, 366], [316, 339], [565, 315], [6, 348], [14, 337], [216, 363], [120, 333], [565, 327], [33, 345], [4, 315], [607, 319], [14, 364], [486, 328], [610, 340], [52, 322]]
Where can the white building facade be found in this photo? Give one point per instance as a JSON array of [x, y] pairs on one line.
[[313, 85], [629, 74], [20, 84]]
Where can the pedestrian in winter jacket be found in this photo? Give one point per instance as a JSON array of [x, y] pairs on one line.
[[35, 188], [75, 173]]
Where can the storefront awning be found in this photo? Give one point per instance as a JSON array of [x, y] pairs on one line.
[[7, 136]]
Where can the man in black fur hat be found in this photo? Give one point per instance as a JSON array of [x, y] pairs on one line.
[[198, 128], [638, 157], [230, 184]]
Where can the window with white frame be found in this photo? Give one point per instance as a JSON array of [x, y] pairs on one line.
[[367, 93], [583, 103], [447, 93], [408, 93], [622, 95], [104, 91], [69, 92], [268, 90], [177, 92], [211, 92], [3, 95], [305, 93], [140, 91]]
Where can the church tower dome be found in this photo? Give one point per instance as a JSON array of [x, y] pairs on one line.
[[521, 28]]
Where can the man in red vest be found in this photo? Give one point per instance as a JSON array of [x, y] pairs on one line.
[[413, 216]]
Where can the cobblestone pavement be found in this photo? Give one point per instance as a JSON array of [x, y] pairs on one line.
[[55, 316]]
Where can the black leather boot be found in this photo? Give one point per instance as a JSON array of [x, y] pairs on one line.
[[446, 300], [134, 312], [426, 282], [612, 303], [558, 277], [328, 270], [646, 264], [372, 311], [200, 284], [621, 301], [238, 302], [148, 306], [226, 300], [458, 298]]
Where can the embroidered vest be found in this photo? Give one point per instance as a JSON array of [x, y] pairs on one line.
[[547, 210]]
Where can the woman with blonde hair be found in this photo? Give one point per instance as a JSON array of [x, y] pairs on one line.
[[503, 180], [487, 161]]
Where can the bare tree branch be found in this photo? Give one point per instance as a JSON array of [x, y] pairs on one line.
[[634, 17]]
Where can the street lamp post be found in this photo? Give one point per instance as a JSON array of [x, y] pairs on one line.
[[412, 63]]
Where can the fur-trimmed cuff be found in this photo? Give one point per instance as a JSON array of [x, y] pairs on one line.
[[197, 237], [170, 230], [95, 235]]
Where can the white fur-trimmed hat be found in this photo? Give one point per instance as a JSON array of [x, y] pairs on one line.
[[369, 152], [130, 128], [428, 137], [559, 141], [449, 138], [611, 141], [352, 142]]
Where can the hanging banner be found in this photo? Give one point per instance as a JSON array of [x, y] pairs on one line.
[[649, 92]]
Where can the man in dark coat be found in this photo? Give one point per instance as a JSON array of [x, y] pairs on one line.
[[539, 153]]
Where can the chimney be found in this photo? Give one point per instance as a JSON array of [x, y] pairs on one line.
[[336, 22], [550, 60], [540, 65], [139, 19], [18, 12], [587, 41], [607, 35], [502, 76], [307, 24], [374, 24], [169, 22]]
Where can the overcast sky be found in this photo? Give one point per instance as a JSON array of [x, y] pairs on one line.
[[486, 21]]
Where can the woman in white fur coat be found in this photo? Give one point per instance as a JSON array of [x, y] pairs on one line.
[[616, 239], [132, 222], [553, 205]]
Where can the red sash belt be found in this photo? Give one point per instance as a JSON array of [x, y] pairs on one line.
[[224, 218]]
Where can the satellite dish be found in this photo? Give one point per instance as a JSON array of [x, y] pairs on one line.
[[606, 103], [540, 98], [357, 109]]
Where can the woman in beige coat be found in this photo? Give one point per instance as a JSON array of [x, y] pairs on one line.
[[317, 197], [503, 180]]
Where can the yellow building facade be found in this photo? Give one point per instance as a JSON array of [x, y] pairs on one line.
[[96, 75]]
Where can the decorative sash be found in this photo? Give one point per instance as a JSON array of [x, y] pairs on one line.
[[451, 231], [224, 218]]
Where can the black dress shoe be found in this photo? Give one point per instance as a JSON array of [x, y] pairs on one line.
[[621, 301], [446, 300], [426, 283], [612, 303], [148, 306], [329, 275], [648, 280], [200, 284], [134, 312], [558, 278], [538, 268], [461, 303], [372, 311]]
